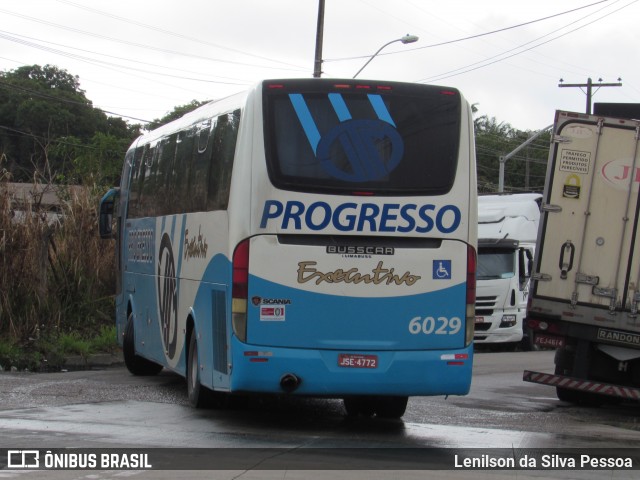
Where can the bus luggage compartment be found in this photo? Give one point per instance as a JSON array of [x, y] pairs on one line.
[[356, 293]]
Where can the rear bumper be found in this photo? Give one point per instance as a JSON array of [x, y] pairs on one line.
[[407, 373], [580, 385], [506, 336]]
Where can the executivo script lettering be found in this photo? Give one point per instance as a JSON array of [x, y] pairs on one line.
[[378, 276]]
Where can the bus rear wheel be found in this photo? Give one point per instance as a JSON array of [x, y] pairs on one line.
[[136, 364], [356, 406], [199, 396], [391, 407], [381, 406]]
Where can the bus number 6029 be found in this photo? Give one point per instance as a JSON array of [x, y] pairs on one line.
[[437, 326]]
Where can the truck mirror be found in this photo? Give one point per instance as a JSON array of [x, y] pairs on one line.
[[105, 217], [524, 265]]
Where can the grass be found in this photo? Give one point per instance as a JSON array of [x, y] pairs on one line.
[[57, 278], [48, 354]]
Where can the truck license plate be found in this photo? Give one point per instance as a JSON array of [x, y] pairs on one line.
[[549, 341], [351, 360]]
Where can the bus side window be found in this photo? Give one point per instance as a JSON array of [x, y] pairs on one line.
[[135, 205], [164, 191], [150, 182], [224, 136], [201, 167], [182, 168]]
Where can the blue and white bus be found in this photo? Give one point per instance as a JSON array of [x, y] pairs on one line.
[[310, 237]]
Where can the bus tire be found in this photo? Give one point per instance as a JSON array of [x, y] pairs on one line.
[[136, 364], [359, 405], [198, 395], [391, 407]]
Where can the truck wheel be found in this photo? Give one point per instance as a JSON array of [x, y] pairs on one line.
[[574, 396], [565, 394], [564, 364], [136, 364]]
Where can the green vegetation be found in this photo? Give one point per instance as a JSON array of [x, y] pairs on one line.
[[525, 172], [48, 353], [50, 131], [57, 277], [60, 281]]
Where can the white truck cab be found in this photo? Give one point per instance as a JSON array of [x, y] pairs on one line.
[[507, 231]]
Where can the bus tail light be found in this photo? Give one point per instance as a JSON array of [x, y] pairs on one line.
[[471, 294], [240, 290]]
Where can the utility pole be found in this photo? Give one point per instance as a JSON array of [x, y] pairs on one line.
[[589, 86], [317, 66]]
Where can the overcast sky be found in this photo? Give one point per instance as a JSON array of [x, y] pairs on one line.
[[141, 58]]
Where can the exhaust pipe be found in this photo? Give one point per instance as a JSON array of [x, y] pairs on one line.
[[289, 382]]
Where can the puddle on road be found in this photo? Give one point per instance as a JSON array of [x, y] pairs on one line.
[[137, 423]]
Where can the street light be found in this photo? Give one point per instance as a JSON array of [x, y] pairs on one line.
[[503, 158], [406, 39]]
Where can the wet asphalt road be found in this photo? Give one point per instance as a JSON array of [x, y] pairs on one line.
[[111, 408]]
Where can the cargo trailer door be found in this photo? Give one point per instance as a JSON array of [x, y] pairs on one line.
[[588, 244]]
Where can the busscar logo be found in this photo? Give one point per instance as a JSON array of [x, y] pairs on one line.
[[353, 251], [168, 296]]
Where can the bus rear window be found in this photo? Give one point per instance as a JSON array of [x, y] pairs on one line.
[[361, 139]]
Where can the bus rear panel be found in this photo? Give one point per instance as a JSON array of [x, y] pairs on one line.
[[358, 251]]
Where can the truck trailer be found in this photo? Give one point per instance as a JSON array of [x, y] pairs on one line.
[[507, 231], [585, 293]]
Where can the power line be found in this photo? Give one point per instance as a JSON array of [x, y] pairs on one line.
[[175, 34], [135, 44], [471, 37], [467, 69], [10, 36], [88, 103], [120, 87], [589, 87], [58, 140]]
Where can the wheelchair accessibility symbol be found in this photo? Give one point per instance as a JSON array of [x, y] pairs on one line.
[[442, 269]]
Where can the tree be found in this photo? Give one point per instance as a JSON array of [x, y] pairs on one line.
[[525, 172], [41, 110], [177, 112]]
